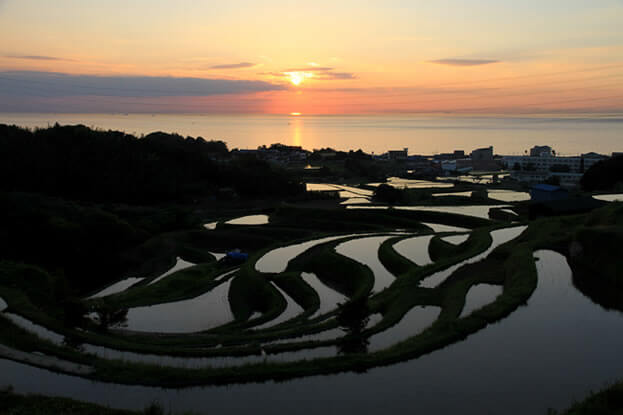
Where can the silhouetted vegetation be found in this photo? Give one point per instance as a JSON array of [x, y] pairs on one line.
[[80, 243], [603, 175], [389, 194], [606, 402], [353, 316], [79, 163], [39, 405]]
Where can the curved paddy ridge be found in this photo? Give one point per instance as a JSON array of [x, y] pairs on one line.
[[365, 251], [567, 329]]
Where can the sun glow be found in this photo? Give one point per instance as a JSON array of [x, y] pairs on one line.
[[296, 78], [295, 114]]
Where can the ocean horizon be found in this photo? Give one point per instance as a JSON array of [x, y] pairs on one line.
[[421, 134]]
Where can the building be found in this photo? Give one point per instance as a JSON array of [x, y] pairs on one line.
[[398, 154], [482, 154], [547, 166], [458, 166], [542, 151], [325, 153], [482, 159], [457, 154]]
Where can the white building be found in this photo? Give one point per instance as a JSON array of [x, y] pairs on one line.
[[542, 165]]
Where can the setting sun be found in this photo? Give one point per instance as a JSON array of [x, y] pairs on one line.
[[297, 77]]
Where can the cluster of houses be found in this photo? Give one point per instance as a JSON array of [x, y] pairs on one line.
[[541, 164], [275, 153]]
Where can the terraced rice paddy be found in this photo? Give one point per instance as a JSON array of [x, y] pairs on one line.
[[187, 316], [478, 211], [610, 198], [180, 264], [479, 296], [456, 239], [117, 287], [364, 251], [249, 220], [413, 184], [211, 312], [499, 237], [208, 334], [415, 249]]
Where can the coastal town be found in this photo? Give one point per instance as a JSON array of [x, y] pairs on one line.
[[231, 267], [539, 164]]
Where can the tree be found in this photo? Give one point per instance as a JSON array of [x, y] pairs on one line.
[[603, 175], [109, 315], [79, 163], [353, 317], [389, 194]]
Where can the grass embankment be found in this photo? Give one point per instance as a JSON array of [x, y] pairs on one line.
[[440, 249], [372, 220], [410, 294], [405, 293], [13, 404], [592, 244], [244, 299], [595, 256], [181, 285], [517, 268], [442, 253], [250, 292], [607, 402], [510, 265], [342, 274], [178, 377]]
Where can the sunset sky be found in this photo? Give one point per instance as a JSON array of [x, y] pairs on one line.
[[317, 57]]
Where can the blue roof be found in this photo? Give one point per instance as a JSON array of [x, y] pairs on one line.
[[238, 255], [546, 187]]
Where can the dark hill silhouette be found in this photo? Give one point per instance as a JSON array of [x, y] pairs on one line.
[[603, 175], [80, 163]]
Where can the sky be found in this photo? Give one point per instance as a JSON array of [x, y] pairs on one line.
[[318, 57]]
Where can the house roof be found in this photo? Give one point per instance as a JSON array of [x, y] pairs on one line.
[[547, 188]]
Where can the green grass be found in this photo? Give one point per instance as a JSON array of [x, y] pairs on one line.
[[439, 249], [392, 260], [13, 404], [510, 265], [606, 402], [181, 285], [342, 274], [250, 292]]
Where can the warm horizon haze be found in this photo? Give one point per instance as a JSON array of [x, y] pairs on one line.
[[325, 207], [285, 57]]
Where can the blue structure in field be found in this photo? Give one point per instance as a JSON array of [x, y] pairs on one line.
[[547, 193], [237, 256]]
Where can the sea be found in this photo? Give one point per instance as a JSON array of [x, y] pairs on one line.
[[420, 134]]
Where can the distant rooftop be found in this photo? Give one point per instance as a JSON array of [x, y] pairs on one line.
[[546, 187]]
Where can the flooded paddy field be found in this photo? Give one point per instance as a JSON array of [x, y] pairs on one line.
[[358, 305]]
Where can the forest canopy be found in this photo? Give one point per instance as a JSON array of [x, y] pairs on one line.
[[80, 163]]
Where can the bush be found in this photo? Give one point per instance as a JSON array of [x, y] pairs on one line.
[[388, 194], [603, 175]]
